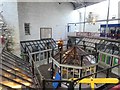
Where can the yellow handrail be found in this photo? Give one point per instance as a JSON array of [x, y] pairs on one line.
[[92, 81]]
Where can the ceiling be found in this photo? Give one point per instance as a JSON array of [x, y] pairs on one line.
[[84, 3], [76, 3]]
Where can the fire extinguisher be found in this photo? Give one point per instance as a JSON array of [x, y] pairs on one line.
[[2, 39]]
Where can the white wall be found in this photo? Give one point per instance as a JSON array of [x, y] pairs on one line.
[[49, 14], [119, 10], [10, 15]]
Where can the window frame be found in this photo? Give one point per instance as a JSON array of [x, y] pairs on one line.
[[27, 28]]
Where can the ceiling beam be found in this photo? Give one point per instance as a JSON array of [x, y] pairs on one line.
[[73, 5], [84, 3]]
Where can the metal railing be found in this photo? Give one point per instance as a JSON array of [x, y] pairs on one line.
[[72, 83], [35, 70], [76, 71]]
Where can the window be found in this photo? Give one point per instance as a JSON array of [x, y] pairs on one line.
[[27, 28]]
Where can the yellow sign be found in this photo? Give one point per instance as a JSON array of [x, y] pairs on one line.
[[92, 81]]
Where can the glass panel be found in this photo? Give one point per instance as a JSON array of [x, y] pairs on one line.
[[76, 73], [103, 57], [115, 61], [70, 73], [108, 61], [64, 73]]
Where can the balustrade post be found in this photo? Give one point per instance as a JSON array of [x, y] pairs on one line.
[[96, 57], [71, 86], [84, 46], [43, 84], [81, 71]]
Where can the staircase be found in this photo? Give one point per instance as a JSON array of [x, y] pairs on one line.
[[16, 73]]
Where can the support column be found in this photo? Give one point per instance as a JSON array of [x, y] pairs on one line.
[[43, 84], [119, 69], [112, 61], [96, 57], [48, 53], [52, 70], [60, 63], [71, 86], [60, 47], [33, 68], [108, 71], [84, 46], [52, 52], [81, 64]]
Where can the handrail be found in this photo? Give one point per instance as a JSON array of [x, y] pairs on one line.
[[71, 66], [36, 40], [41, 51], [92, 47], [100, 38], [96, 72], [51, 80], [88, 42], [109, 54], [103, 44]]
